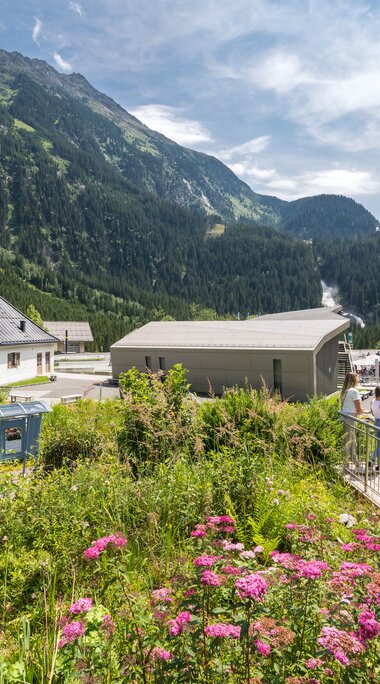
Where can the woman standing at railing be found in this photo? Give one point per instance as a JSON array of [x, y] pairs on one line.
[[375, 410], [351, 405]]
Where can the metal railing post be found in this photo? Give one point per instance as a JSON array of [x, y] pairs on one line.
[[367, 457]]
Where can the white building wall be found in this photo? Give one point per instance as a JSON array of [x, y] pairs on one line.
[[28, 362]]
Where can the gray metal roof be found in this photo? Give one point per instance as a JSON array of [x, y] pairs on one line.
[[77, 331], [11, 333], [258, 333], [329, 312], [30, 408]]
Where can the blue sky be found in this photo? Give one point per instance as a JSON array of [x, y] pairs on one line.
[[286, 92]]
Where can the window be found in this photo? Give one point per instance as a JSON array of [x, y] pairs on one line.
[[161, 360], [14, 360], [148, 362], [277, 375], [12, 440], [47, 362]]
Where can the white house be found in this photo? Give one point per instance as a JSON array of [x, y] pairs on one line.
[[26, 350]]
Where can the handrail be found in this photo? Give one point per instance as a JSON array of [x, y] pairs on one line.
[[363, 447]]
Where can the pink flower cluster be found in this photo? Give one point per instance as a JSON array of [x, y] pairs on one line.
[[263, 649], [340, 644], [311, 569], [210, 578], [71, 632], [98, 546], [158, 653], [251, 586], [161, 595], [222, 630], [83, 605], [369, 628], [177, 625], [353, 570], [369, 541], [219, 523], [230, 546], [314, 663], [205, 561]]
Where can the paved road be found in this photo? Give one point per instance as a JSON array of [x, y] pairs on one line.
[[92, 386]]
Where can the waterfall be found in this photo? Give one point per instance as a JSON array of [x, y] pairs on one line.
[[329, 295]]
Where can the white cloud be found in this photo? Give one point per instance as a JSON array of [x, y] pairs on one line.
[[279, 71], [76, 7], [170, 122], [351, 182], [252, 147], [36, 29], [252, 174], [62, 64]]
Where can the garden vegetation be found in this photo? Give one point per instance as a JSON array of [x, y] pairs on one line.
[[164, 540]]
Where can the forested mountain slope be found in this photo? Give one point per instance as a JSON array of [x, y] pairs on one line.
[[147, 158], [72, 225]]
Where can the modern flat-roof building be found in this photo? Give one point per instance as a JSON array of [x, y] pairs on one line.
[[295, 352], [72, 335], [26, 350]]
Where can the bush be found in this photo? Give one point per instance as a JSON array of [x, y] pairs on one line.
[[86, 429]]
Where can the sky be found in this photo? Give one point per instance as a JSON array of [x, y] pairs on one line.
[[285, 92]]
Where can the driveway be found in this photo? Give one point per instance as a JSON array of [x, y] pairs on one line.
[[92, 386]]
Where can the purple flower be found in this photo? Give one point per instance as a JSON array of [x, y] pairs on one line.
[[98, 546], [263, 649], [83, 605], [313, 663], [176, 626], [369, 627], [205, 561], [162, 594], [222, 630], [160, 654], [210, 578], [71, 632], [251, 586]]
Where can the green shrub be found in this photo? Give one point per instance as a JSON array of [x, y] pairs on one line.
[[83, 430]]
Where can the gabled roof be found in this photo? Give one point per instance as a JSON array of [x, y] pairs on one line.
[[77, 331], [11, 333]]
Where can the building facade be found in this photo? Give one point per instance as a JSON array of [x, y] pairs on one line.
[[297, 356], [26, 350]]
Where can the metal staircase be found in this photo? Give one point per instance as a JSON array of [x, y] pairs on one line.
[[345, 362]]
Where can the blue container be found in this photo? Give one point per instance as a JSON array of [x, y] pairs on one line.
[[20, 427]]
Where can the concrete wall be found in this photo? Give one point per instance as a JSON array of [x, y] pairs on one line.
[[225, 368], [327, 367], [28, 362]]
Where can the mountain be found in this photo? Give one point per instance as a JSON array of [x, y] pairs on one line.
[[327, 216], [76, 228], [157, 164], [189, 178]]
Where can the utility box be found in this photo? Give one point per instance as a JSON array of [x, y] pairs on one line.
[[20, 427]]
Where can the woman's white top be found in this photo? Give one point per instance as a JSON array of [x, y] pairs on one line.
[[375, 408], [348, 405]]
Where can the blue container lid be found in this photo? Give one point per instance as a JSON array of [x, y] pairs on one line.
[[30, 408]]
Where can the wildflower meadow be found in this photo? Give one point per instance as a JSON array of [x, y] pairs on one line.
[[166, 541]]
